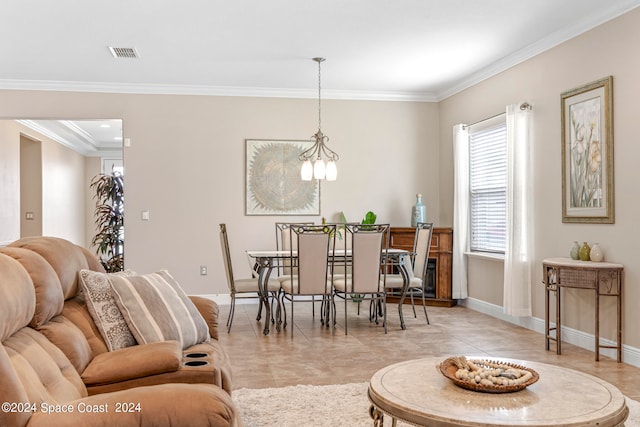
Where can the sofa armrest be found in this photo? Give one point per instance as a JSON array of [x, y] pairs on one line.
[[133, 362], [165, 404], [209, 310]]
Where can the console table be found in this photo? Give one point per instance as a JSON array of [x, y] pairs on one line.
[[604, 278]]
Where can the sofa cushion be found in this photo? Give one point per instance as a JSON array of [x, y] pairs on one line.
[[157, 309], [70, 339], [133, 362], [44, 371], [65, 257], [49, 298], [103, 308], [17, 297], [76, 311]]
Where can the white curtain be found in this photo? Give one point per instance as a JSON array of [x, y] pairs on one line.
[[519, 244], [461, 234]]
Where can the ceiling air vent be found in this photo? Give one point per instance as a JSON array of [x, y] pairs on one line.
[[123, 52]]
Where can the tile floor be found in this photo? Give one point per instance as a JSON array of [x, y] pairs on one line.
[[319, 355]]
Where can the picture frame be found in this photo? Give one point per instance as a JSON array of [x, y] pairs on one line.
[[273, 182], [587, 153]]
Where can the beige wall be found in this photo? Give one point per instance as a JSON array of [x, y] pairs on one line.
[[62, 175], [186, 166], [9, 183], [63, 193], [606, 50]]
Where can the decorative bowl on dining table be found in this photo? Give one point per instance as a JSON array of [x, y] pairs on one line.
[[487, 376]]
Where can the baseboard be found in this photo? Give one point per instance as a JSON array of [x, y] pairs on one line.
[[630, 355]]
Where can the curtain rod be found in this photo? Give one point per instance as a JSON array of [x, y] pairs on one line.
[[523, 106]]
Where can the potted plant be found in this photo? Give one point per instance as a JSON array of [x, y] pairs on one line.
[[109, 220]]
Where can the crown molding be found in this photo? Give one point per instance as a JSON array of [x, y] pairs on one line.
[[155, 89]]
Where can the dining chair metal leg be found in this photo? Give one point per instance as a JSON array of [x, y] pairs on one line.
[[231, 312], [413, 306], [345, 314], [259, 316], [384, 312]]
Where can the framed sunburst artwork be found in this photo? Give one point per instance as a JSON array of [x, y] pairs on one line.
[[274, 186]]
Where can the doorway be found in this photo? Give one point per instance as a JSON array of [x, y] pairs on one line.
[[30, 187]]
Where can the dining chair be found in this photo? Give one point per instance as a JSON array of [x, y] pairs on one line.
[[239, 288], [363, 277], [416, 268], [312, 257]]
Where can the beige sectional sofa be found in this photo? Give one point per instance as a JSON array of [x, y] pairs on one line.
[[53, 353]]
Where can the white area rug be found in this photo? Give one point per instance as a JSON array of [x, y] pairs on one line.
[[337, 405]]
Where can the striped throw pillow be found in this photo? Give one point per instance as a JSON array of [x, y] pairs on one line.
[[156, 309]]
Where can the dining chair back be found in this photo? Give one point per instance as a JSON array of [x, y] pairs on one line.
[[421, 246], [238, 288], [314, 255]]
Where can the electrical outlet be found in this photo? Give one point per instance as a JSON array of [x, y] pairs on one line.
[[203, 270]]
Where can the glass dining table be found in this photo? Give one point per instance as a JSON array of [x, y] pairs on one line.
[[267, 261]]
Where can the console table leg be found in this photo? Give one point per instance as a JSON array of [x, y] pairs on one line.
[[597, 324], [546, 313], [558, 333]]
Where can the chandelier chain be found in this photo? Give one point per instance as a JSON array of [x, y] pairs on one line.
[[319, 93]]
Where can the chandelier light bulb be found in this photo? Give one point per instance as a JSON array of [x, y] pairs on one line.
[[331, 171], [319, 169], [306, 172]]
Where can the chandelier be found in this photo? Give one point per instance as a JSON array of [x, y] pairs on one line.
[[319, 170]]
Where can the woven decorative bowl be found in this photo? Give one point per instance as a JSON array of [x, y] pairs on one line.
[[449, 368]]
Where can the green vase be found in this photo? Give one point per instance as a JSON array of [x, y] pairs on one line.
[[585, 252]]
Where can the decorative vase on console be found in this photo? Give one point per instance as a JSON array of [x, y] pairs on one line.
[[585, 252], [418, 212], [575, 250], [596, 253]]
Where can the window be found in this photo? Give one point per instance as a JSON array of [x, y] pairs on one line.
[[488, 185]]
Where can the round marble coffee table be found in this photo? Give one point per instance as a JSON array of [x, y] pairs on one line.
[[416, 392]]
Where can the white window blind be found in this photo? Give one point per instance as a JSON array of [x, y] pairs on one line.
[[488, 186]]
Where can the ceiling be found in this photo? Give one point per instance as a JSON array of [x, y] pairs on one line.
[[375, 49], [91, 138], [422, 50]]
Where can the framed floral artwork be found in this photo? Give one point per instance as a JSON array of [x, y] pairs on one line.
[[587, 153], [273, 184]]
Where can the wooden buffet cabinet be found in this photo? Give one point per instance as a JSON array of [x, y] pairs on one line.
[[438, 287]]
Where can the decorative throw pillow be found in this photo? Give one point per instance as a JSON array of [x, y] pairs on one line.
[[104, 310], [156, 309]]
